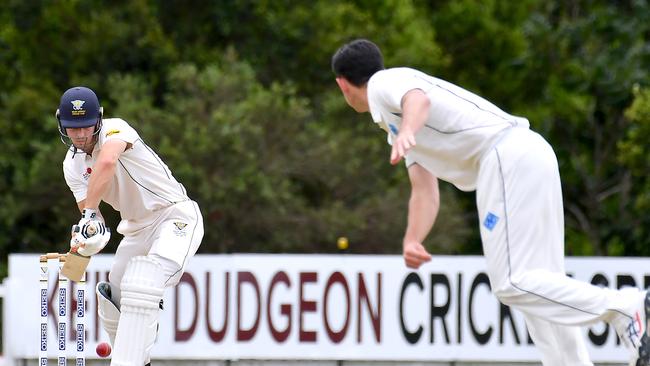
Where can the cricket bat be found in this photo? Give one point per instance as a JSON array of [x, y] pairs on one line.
[[75, 266]]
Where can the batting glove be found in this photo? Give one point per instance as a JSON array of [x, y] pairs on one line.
[[90, 235]]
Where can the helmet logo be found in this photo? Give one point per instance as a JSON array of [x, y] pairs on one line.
[[77, 107]]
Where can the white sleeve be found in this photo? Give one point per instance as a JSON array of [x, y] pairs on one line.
[[78, 187], [117, 128], [387, 88]]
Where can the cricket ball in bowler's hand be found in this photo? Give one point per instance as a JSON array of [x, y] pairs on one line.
[[103, 349], [342, 243]]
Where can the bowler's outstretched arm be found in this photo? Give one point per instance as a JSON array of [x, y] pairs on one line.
[[423, 210]]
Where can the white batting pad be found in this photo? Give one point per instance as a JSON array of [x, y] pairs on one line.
[[142, 289], [109, 314]]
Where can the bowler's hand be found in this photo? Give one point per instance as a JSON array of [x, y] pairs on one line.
[[415, 255], [404, 141]]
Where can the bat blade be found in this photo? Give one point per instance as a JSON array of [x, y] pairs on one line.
[[75, 266]]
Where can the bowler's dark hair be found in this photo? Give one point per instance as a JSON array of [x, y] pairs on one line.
[[357, 61]]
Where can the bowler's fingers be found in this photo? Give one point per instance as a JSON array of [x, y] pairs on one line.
[[398, 151], [415, 261], [411, 139], [402, 144], [415, 256], [395, 157]]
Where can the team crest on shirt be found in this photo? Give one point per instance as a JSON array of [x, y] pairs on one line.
[[490, 221], [179, 228], [112, 132], [86, 175]]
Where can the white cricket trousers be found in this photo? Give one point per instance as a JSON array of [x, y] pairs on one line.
[[172, 236], [519, 200]]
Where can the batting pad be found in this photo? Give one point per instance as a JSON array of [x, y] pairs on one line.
[[142, 289], [108, 312]]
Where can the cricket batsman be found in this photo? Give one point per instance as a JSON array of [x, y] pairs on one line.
[[108, 161]]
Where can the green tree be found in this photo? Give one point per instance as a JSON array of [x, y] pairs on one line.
[[586, 57], [634, 154], [268, 175], [239, 99]]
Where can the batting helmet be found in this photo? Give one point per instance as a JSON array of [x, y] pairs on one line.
[[79, 108]]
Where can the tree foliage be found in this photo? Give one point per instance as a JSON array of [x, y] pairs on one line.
[[634, 155], [239, 100], [597, 52]]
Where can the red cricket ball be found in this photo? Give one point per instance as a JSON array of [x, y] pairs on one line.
[[103, 349]]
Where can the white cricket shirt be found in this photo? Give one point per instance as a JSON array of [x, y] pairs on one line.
[[142, 182], [461, 126]]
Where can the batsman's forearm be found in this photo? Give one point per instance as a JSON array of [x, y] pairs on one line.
[[422, 213], [100, 179], [103, 171]]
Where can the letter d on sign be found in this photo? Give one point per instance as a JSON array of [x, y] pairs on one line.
[[181, 335], [247, 334]]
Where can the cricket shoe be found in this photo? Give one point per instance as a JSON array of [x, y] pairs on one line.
[[638, 334]]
